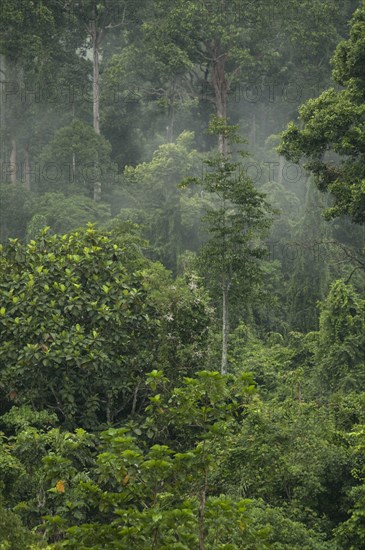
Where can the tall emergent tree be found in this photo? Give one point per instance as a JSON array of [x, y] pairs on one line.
[[332, 132], [210, 43], [95, 18], [216, 46], [237, 218]]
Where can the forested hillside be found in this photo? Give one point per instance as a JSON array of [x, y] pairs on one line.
[[182, 274]]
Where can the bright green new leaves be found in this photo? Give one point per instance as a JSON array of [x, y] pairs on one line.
[[67, 343], [84, 315]]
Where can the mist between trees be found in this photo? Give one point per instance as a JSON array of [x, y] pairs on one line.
[[53, 172], [118, 9], [267, 171], [59, 173], [258, 89]]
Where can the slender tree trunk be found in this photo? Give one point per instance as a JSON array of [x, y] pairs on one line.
[[135, 395], [73, 167], [96, 76], [2, 105], [220, 87], [11, 74], [13, 161], [108, 410], [225, 327], [26, 167], [96, 38], [253, 131], [170, 125], [171, 114], [97, 191], [281, 170], [202, 501]]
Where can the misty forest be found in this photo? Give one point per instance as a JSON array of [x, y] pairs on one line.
[[182, 274]]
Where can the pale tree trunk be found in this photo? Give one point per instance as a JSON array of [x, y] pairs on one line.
[[13, 161], [96, 35], [2, 104], [95, 38], [9, 73], [171, 113], [109, 401], [73, 167], [170, 125], [97, 191], [220, 87], [253, 131], [281, 170], [135, 396], [26, 167], [225, 326]]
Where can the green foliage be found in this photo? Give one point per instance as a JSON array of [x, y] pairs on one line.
[[27, 29], [149, 497], [285, 533], [75, 159], [334, 123], [350, 534], [288, 454], [310, 276], [52, 462], [16, 207], [202, 409], [170, 216], [184, 328], [66, 213], [270, 457], [341, 340], [35, 226], [17, 537], [23, 417], [236, 219], [79, 326]]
